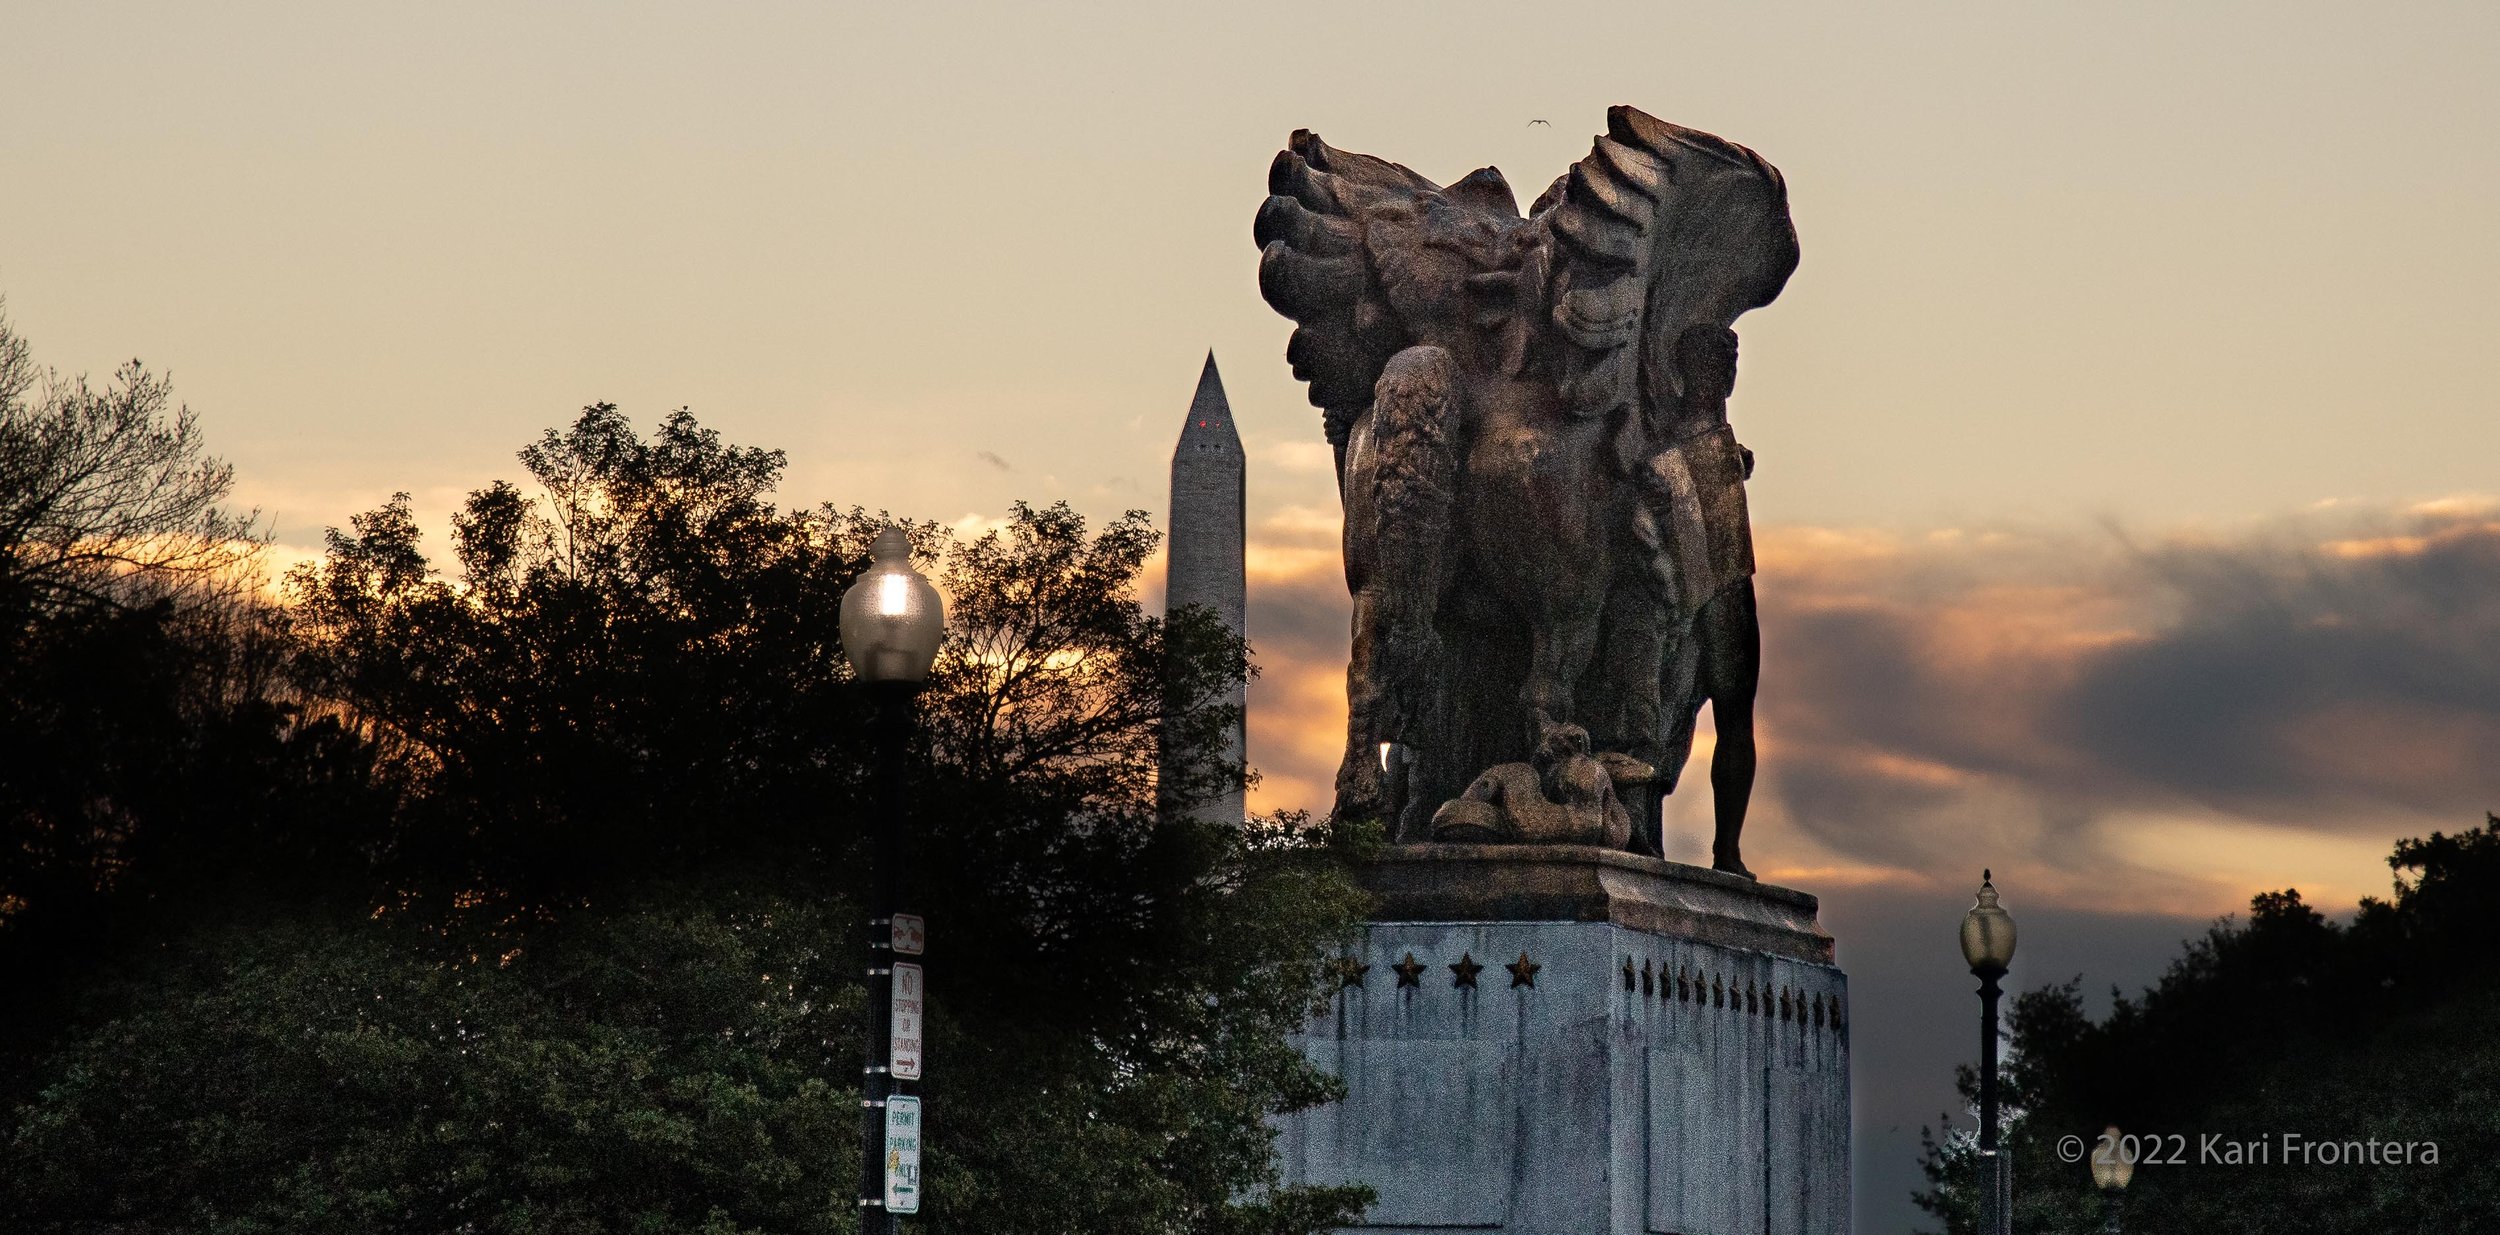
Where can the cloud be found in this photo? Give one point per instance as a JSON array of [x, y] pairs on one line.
[[278, 558], [2137, 730], [1299, 634], [2072, 686], [1297, 456], [2152, 722], [974, 525]]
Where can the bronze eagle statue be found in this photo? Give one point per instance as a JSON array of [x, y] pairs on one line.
[[1545, 524]]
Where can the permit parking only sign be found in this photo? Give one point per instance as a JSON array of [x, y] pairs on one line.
[[902, 1154]]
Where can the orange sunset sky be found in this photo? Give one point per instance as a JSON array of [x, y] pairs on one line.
[[2127, 498]]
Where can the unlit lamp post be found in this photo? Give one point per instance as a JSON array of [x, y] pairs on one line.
[[2111, 1169], [892, 623], [1988, 944]]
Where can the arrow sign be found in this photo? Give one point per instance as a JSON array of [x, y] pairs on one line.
[[902, 1155], [905, 1060]]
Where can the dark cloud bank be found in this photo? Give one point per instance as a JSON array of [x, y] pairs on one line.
[[2340, 677], [2336, 673]]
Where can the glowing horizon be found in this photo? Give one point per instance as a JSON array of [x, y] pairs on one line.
[[2125, 499]]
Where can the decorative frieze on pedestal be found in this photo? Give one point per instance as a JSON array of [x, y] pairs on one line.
[[1555, 1040]]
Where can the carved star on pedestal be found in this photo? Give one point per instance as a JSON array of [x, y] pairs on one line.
[[1522, 971], [1350, 972], [1410, 971], [1466, 969]]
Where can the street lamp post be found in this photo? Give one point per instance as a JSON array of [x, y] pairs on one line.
[[892, 622], [2112, 1167], [1988, 945]]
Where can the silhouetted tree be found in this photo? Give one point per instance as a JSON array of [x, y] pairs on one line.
[[631, 672], [150, 754], [612, 903], [2288, 1022], [107, 498]]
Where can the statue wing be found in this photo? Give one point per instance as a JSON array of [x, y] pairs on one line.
[[1659, 229], [1367, 258]]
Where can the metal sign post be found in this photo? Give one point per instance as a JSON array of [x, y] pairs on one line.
[[889, 1147], [893, 623], [893, 1186]]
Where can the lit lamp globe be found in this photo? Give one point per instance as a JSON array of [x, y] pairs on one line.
[[892, 618], [2113, 1169], [1988, 932]]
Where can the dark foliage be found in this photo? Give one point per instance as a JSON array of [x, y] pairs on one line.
[[657, 1067], [601, 977], [108, 500], [2285, 1024], [151, 759], [637, 671]]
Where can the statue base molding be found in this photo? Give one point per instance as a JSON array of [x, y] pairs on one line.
[[1567, 1040]]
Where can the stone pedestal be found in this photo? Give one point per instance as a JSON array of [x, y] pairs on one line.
[[1555, 1040]]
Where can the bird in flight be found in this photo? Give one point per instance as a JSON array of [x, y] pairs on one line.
[[1533, 123]]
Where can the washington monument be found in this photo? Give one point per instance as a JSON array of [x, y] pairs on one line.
[[1206, 527]]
